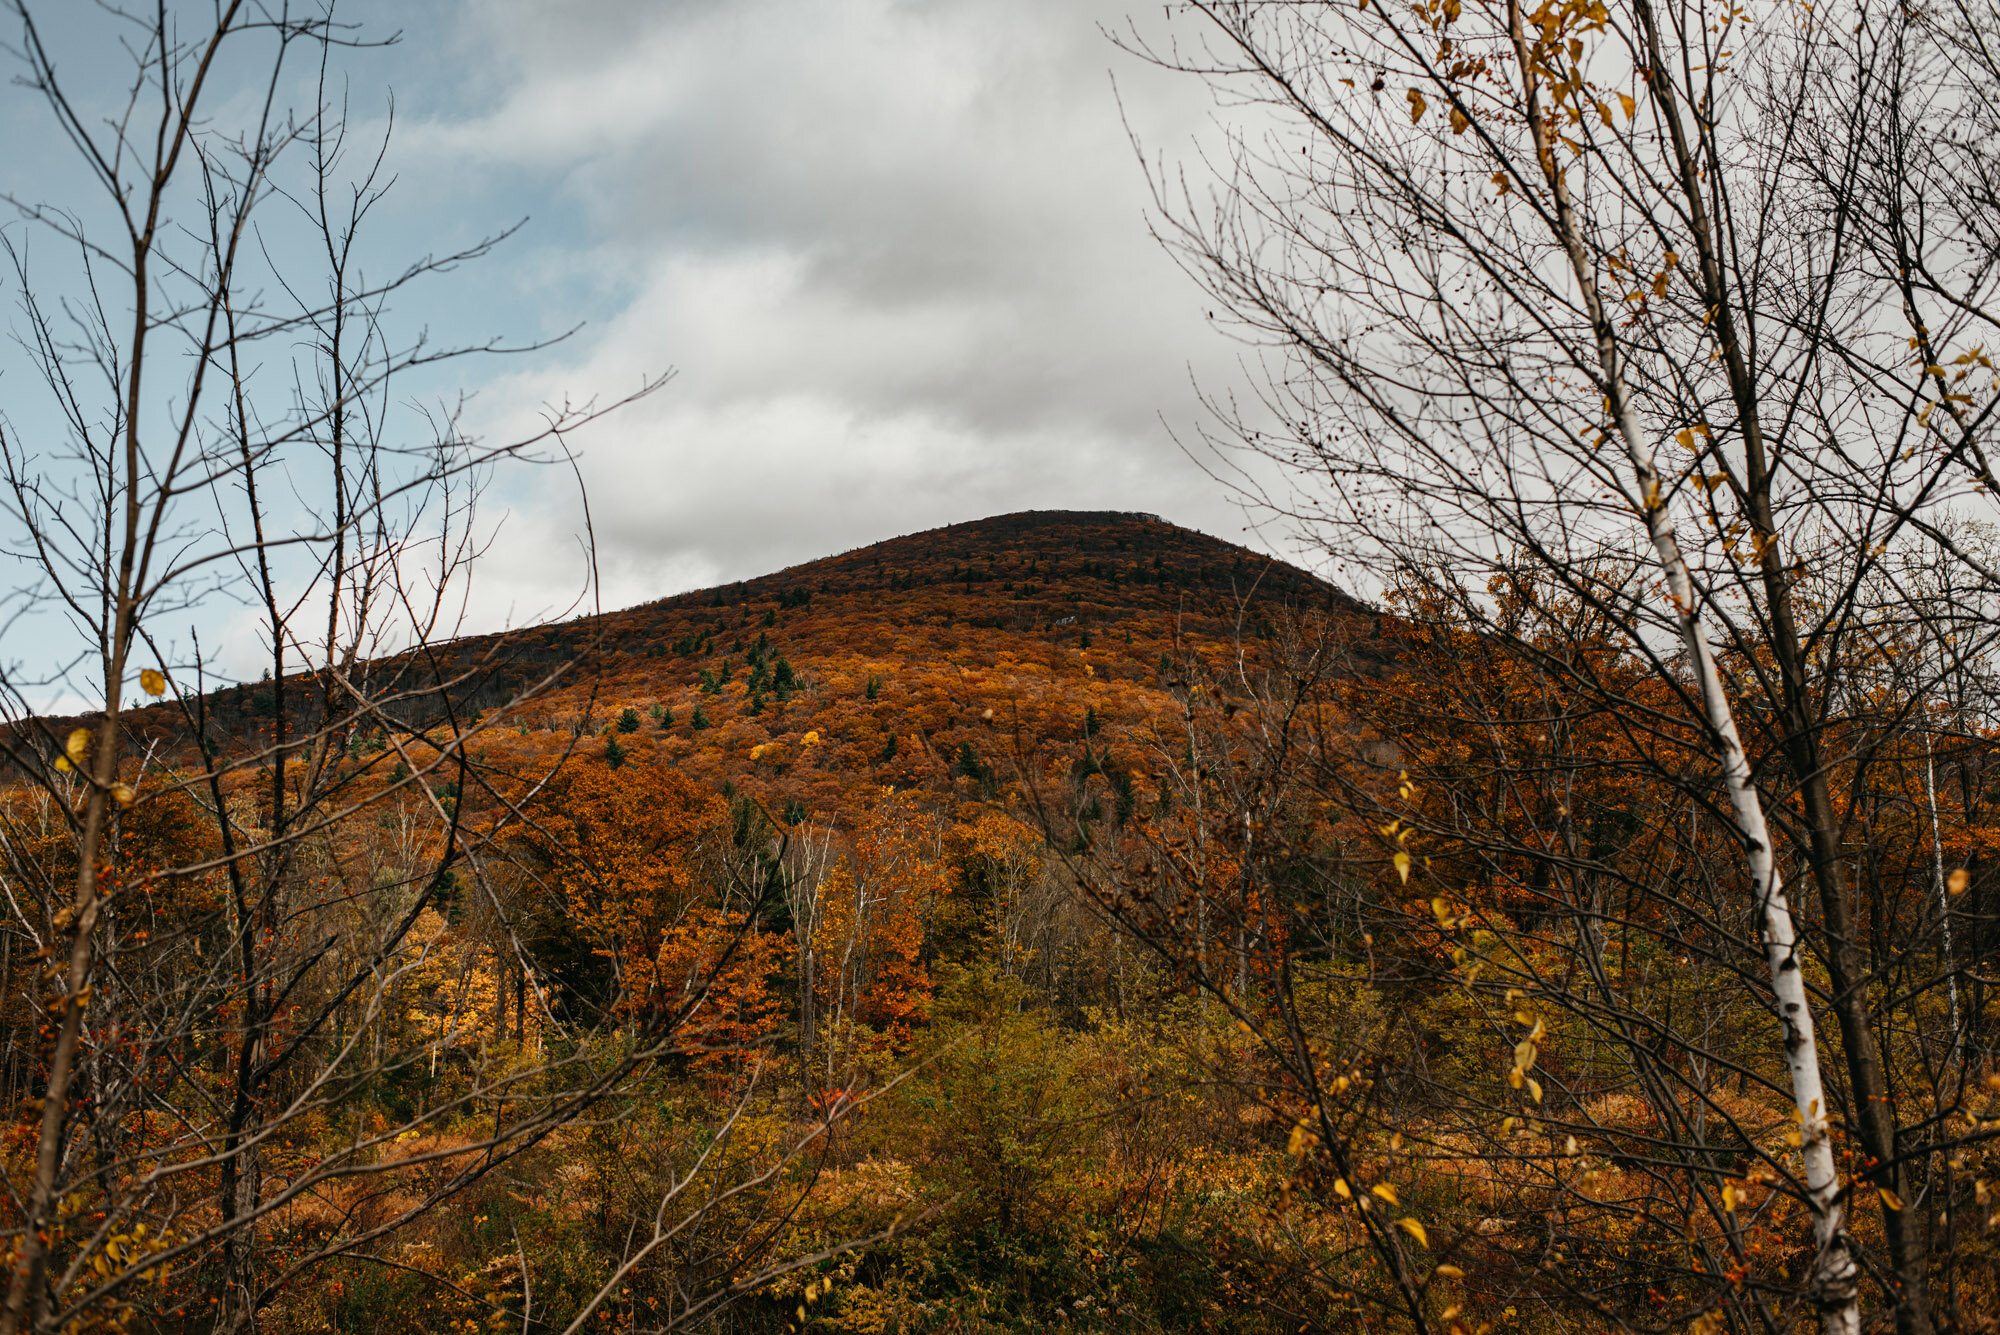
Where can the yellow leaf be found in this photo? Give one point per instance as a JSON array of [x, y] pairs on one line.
[[124, 794], [1524, 1055], [1451, 11], [1416, 106], [1386, 1192], [1450, 1272], [1890, 1198], [1729, 1195], [1341, 1189], [153, 681], [1630, 106], [1415, 1230], [1460, 122], [1569, 1146], [1402, 861], [1958, 882], [63, 765], [1535, 1090], [77, 746]]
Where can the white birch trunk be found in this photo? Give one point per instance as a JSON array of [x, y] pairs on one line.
[[1937, 877], [1835, 1283], [1835, 1286]]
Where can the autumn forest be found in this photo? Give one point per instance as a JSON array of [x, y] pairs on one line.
[[1563, 899]]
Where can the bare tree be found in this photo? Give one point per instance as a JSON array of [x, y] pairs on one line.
[[1636, 316], [226, 910]]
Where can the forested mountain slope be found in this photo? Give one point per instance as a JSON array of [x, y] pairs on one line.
[[919, 659], [1065, 919]]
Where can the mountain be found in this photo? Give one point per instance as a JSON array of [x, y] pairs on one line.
[[910, 661], [889, 657]]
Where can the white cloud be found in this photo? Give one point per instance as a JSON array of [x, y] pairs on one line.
[[896, 253], [895, 249]]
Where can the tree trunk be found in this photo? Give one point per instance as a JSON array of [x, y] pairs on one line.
[[1834, 1285]]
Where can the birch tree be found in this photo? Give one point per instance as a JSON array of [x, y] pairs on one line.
[[1641, 288]]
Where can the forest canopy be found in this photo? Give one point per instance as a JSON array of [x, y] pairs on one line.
[[1066, 918]]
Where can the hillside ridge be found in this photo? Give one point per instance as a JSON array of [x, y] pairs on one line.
[[1028, 571], [917, 661], [1040, 592], [1093, 533]]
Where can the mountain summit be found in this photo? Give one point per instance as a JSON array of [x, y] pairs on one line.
[[893, 664]]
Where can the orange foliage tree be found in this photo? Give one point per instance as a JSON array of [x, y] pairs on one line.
[[716, 969], [874, 908], [627, 853]]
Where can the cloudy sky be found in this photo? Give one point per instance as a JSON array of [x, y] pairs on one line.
[[894, 251]]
